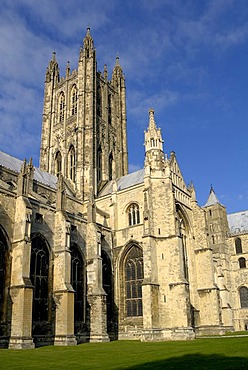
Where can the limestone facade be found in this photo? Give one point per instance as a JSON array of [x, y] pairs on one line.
[[89, 252]]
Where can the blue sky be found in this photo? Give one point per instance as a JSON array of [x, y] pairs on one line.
[[187, 59]]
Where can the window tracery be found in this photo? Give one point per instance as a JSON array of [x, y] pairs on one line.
[[61, 107], [133, 214]]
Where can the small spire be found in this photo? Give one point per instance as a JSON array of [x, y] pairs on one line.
[[152, 124], [212, 198], [117, 60], [54, 56], [88, 31]]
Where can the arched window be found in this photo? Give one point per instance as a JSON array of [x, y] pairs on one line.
[[242, 263], [39, 269], [99, 164], [58, 163], [133, 214], [133, 281], [73, 100], [61, 107], [110, 166], [238, 245], [107, 284], [72, 163], [3, 250], [243, 294], [77, 282]]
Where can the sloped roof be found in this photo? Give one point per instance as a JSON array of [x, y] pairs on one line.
[[212, 199], [238, 222], [124, 182], [15, 164]]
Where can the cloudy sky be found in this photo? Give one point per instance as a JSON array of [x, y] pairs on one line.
[[187, 59]]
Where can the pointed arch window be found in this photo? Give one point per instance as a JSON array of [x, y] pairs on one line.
[[238, 245], [58, 163], [72, 163], [133, 214], [99, 164], [61, 107], [242, 263], [110, 166], [133, 282], [73, 100], [39, 268], [107, 284], [3, 250], [243, 294], [77, 282]]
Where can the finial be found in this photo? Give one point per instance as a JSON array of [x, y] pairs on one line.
[[54, 57], [117, 59], [88, 30], [151, 119]]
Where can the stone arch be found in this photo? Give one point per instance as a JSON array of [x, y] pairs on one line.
[[131, 278], [41, 276], [5, 270]]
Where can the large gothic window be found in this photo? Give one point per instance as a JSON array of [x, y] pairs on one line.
[[243, 294], [77, 282], [73, 100], [107, 283], [3, 250], [133, 281], [238, 245], [58, 163], [133, 214], [61, 107], [72, 163], [39, 269]]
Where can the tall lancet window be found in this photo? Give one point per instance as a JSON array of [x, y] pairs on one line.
[[58, 163], [134, 275], [77, 281], [3, 250], [72, 163], [110, 166], [61, 107], [74, 100]]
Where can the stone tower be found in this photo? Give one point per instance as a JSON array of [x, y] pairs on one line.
[[84, 123]]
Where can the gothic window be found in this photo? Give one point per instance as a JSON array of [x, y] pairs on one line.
[[243, 294], [242, 263], [133, 214], [3, 250], [99, 164], [109, 110], [73, 100], [77, 282], [110, 166], [133, 282], [39, 268], [107, 283], [72, 163], [58, 163], [238, 245], [61, 107]]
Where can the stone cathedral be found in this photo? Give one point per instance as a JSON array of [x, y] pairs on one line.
[[89, 252]]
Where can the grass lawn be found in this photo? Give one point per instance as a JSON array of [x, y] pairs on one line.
[[200, 354]]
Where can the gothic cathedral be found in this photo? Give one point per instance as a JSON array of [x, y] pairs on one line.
[[89, 252]]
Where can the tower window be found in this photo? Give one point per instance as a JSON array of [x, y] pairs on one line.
[[133, 280], [72, 163], [133, 214], [74, 100], [242, 263], [58, 163], [238, 245], [61, 107]]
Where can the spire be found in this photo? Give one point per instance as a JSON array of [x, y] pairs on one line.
[[88, 41], [212, 198], [153, 137]]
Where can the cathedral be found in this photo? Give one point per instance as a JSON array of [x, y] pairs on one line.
[[91, 253]]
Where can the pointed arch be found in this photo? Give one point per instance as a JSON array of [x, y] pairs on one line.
[[73, 100], [78, 284], [238, 245], [58, 163], [61, 107], [183, 233], [3, 269], [243, 295], [133, 272], [72, 163], [107, 283], [110, 166], [39, 275], [99, 164]]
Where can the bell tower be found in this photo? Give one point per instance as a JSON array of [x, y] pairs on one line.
[[84, 123]]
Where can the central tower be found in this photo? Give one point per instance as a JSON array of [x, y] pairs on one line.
[[84, 123]]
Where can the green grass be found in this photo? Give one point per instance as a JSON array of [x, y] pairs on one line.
[[200, 354]]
